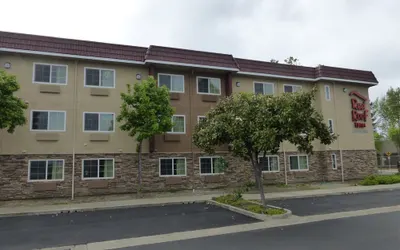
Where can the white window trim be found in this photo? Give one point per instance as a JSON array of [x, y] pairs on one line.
[[98, 169], [264, 83], [49, 64], [199, 117], [298, 162], [212, 167], [47, 163], [333, 127], [170, 158], [48, 121], [166, 74], [92, 131], [327, 87], [197, 85], [184, 125], [334, 163], [100, 69], [275, 171], [292, 85]]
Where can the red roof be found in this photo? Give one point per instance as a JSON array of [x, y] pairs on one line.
[[184, 57], [193, 57], [71, 47]]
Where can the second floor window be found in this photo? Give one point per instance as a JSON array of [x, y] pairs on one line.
[[327, 92], [179, 124], [50, 73], [175, 83], [99, 78], [291, 88], [43, 120], [330, 126], [98, 122], [206, 85], [263, 88]]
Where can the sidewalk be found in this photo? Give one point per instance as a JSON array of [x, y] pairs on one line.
[[87, 206]]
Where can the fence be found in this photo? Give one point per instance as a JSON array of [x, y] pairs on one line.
[[388, 164]]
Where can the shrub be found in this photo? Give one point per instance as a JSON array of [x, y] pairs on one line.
[[380, 180]]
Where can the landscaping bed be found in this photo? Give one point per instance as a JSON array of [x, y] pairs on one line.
[[380, 180]]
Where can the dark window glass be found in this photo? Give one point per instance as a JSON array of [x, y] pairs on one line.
[[90, 169], [42, 73], [91, 122], [92, 77], [40, 120], [258, 88], [205, 166], [37, 170], [294, 162], [165, 80], [264, 161], [166, 166], [203, 85], [288, 89]]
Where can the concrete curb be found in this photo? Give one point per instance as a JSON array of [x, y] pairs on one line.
[[261, 217]]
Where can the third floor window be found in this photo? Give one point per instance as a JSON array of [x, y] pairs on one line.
[[206, 85], [263, 88], [291, 88], [104, 78], [50, 73], [175, 83]]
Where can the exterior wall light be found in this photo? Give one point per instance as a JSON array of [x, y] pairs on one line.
[[237, 84], [344, 90]]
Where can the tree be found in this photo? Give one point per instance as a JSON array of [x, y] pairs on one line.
[[292, 61], [374, 115], [394, 135], [274, 61], [145, 112], [12, 108], [256, 125], [388, 108], [378, 139]]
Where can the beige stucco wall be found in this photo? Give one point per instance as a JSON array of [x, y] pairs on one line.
[[338, 109], [24, 141]]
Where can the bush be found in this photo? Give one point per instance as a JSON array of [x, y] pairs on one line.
[[380, 180]]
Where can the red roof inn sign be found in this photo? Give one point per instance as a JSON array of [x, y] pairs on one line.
[[359, 113]]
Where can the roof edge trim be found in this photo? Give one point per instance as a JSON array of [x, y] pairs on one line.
[[192, 65]]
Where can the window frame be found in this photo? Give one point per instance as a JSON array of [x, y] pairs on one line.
[[264, 83], [199, 117], [298, 162], [292, 85], [98, 169], [201, 93], [100, 69], [51, 66], [48, 120], [92, 131], [184, 126], [167, 74], [334, 161], [47, 166], [212, 165], [330, 121], [328, 93], [171, 158], [275, 171]]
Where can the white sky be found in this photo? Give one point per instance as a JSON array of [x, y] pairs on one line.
[[362, 34]]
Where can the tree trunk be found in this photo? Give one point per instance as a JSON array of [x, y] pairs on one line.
[[139, 187], [259, 181]]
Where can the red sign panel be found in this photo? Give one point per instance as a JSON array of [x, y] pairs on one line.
[[359, 113]]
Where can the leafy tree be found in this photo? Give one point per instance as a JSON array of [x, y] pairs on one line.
[[11, 107], [274, 61], [394, 135], [292, 61], [378, 139], [388, 108], [256, 125], [374, 115], [145, 112]]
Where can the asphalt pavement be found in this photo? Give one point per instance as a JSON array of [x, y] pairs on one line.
[[371, 232], [339, 203], [29, 232]]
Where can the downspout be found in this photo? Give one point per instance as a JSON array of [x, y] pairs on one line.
[[338, 139], [74, 113], [191, 76]]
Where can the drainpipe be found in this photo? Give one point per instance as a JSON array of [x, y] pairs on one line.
[[338, 139], [74, 120]]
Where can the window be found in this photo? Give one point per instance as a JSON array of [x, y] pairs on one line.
[[98, 169], [269, 163], [172, 166], [291, 88], [263, 88], [179, 124], [98, 122], [50, 73], [175, 83], [298, 162], [333, 158], [46, 170], [211, 165], [327, 92], [100, 78], [200, 118], [47, 120], [330, 126], [211, 86]]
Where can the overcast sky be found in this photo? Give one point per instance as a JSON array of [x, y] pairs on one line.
[[362, 34]]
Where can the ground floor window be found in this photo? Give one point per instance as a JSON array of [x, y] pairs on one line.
[[269, 163], [298, 162], [333, 158], [46, 170], [211, 165], [98, 169], [172, 166]]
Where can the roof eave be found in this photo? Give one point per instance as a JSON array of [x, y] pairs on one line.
[[192, 65]]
